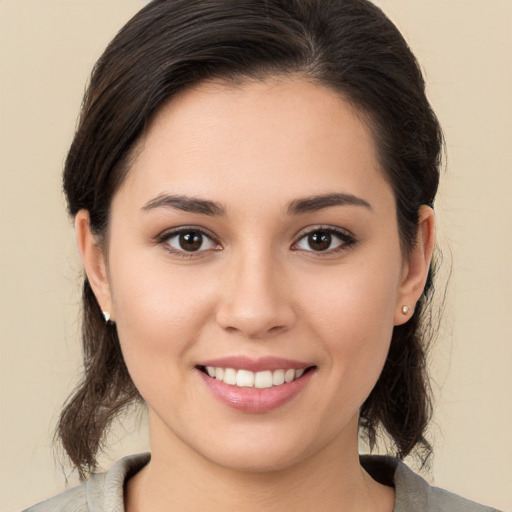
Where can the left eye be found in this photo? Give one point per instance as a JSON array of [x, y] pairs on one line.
[[190, 240], [323, 240]]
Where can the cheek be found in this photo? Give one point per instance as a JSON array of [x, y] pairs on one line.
[[353, 314], [354, 298], [159, 313]]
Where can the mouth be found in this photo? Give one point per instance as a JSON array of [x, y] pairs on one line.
[[259, 380]]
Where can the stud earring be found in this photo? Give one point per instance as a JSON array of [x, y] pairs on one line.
[[405, 309], [106, 315]]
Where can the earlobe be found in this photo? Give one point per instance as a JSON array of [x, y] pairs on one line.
[[93, 259], [417, 267]]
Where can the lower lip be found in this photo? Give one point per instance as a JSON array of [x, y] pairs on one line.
[[255, 400]]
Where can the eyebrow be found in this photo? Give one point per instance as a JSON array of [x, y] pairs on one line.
[[315, 203], [186, 204], [296, 207]]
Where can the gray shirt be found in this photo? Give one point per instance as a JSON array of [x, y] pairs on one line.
[[103, 492]]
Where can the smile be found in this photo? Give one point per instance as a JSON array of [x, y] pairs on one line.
[[266, 388], [259, 380]]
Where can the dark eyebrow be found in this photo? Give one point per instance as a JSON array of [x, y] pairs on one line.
[[186, 204], [315, 203]]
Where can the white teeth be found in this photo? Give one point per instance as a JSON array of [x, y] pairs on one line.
[[230, 376], [263, 380], [289, 375], [260, 380], [245, 378], [278, 377]]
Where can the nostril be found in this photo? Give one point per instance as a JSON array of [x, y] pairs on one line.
[[276, 328], [254, 310]]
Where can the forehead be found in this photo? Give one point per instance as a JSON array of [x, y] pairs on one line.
[[278, 137]]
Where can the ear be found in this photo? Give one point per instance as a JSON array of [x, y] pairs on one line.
[[416, 267], [93, 258]]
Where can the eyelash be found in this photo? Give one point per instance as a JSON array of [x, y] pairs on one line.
[[346, 240], [165, 238]]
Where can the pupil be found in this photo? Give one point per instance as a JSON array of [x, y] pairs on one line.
[[320, 240], [191, 241]]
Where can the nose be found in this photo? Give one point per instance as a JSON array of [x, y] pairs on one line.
[[255, 299]]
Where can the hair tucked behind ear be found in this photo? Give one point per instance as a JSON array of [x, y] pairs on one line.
[[106, 389], [172, 45], [401, 400]]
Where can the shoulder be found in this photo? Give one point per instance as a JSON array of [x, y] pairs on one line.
[[413, 492], [71, 500], [103, 492]]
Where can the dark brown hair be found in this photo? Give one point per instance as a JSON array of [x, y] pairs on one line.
[[172, 45]]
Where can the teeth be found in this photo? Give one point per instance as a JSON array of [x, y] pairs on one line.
[[230, 376], [278, 377], [289, 375], [248, 379], [245, 378], [263, 380]]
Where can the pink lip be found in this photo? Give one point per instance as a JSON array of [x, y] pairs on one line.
[[252, 400], [255, 365]]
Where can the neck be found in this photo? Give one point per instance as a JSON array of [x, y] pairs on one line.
[[331, 480]]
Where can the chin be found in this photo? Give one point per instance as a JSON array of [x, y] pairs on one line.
[[257, 460], [265, 450]]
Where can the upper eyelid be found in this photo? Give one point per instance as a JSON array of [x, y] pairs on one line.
[[168, 233], [323, 227]]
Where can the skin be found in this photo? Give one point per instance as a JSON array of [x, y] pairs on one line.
[[256, 288]]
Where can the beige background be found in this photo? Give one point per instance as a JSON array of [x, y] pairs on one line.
[[47, 48]]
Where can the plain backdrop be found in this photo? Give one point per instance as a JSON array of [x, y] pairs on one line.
[[47, 49]]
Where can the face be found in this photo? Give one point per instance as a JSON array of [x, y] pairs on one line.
[[254, 272]]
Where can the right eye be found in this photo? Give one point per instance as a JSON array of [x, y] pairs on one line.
[[189, 240], [324, 240]]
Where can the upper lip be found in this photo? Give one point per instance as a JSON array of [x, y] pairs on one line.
[[255, 365]]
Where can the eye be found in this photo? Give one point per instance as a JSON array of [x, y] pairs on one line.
[[188, 240], [326, 240]]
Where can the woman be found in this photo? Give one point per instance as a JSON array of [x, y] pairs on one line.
[[252, 186]]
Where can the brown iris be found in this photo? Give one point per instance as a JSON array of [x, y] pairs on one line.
[[320, 240], [191, 241]]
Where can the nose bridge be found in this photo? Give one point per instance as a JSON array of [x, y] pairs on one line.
[[254, 299]]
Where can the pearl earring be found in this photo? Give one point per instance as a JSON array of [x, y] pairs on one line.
[[405, 309], [106, 315]]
